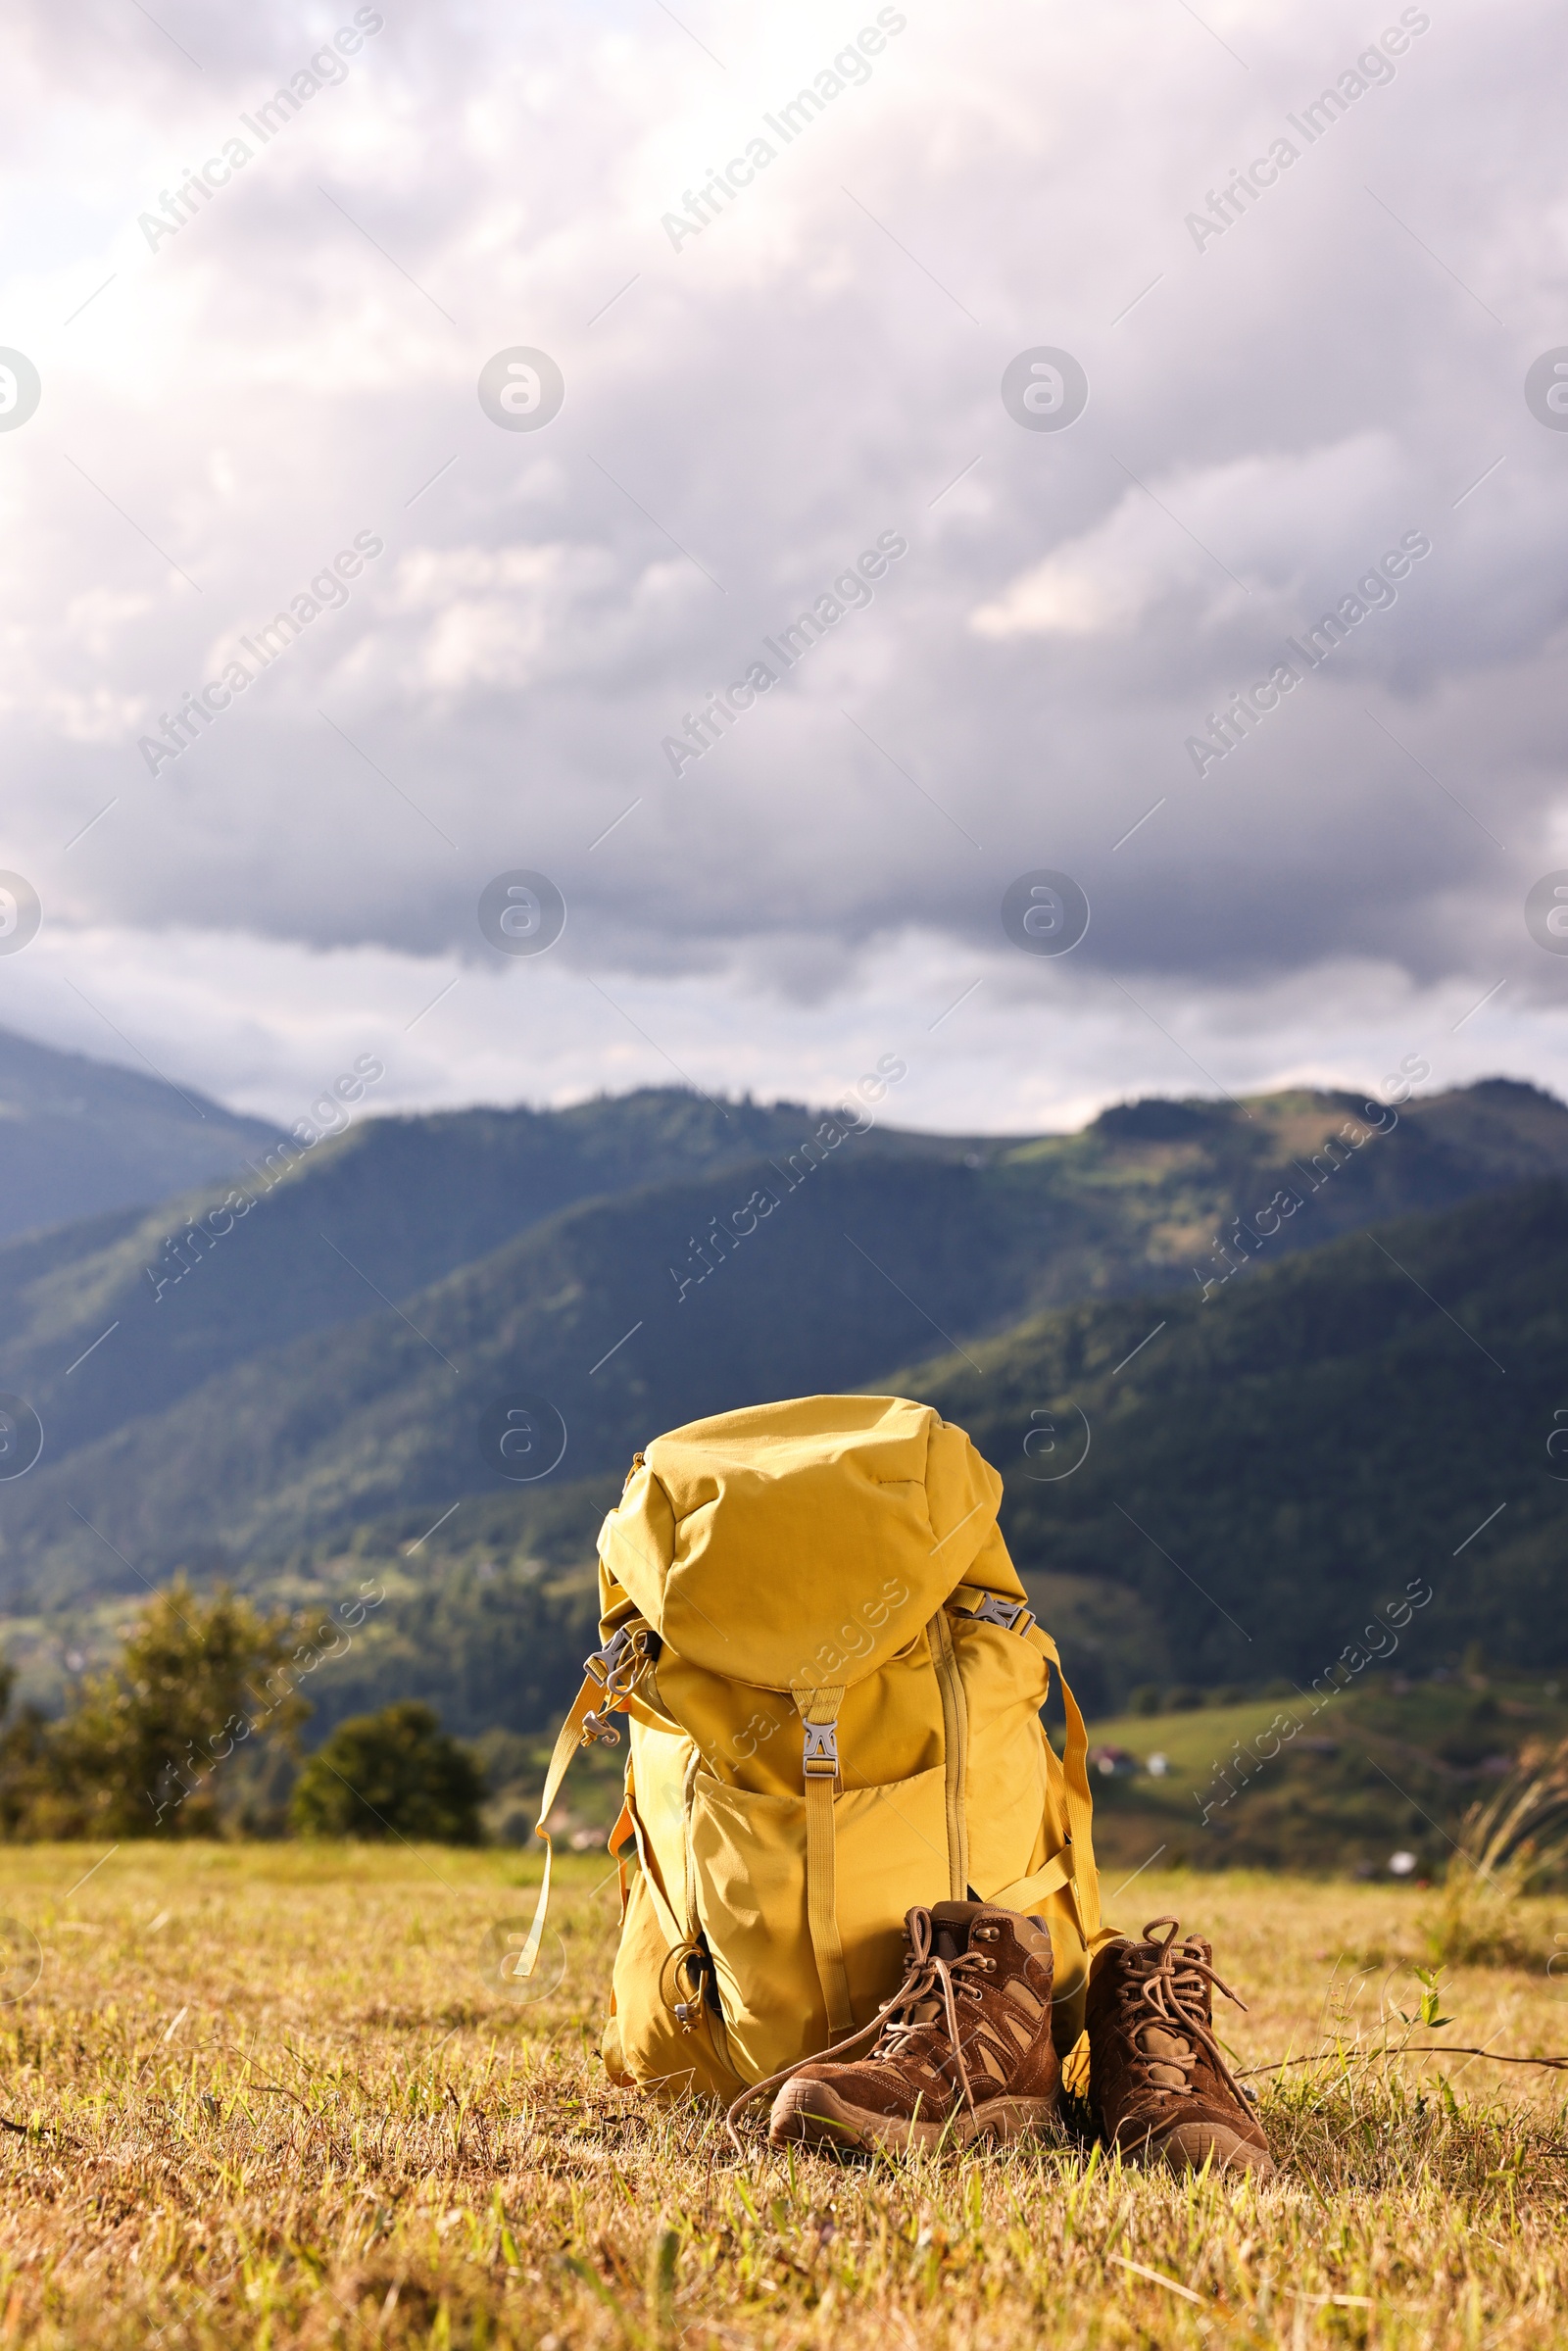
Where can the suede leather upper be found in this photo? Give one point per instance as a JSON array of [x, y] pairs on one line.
[[1157, 2084], [1001, 1971]]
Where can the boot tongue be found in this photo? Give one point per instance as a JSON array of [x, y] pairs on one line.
[[1163, 2051], [951, 1922]]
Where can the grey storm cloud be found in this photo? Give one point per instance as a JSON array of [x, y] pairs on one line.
[[1269, 412]]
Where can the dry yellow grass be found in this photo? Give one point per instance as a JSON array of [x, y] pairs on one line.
[[265, 2096]]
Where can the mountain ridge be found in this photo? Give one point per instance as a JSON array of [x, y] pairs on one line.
[[632, 1309], [80, 1136]]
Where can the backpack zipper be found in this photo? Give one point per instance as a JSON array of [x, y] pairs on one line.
[[955, 1750]]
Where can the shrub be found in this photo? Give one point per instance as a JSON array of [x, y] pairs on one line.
[[35, 1800], [392, 1773], [147, 1746]]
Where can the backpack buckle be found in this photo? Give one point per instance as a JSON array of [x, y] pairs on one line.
[[616, 1666], [602, 1663], [820, 1760], [599, 1727], [1014, 1616]]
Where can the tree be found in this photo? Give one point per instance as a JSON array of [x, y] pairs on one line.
[[35, 1800], [392, 1773], [148, 1746]]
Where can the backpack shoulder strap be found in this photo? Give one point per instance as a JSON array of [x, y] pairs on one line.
[[1070, 1775], [607, 1679], [1074, 1866]]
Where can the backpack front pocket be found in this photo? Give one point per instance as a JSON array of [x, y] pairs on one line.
[[750, 1867]]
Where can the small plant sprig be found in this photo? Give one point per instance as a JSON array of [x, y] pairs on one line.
[[1427, 2017]]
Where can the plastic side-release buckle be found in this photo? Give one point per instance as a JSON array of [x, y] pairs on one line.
[[820, 1760], [1014, 1616], [622, 1661], [617, 1668], [601, 1666]]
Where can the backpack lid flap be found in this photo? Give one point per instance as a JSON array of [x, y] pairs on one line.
[[802, 1542]]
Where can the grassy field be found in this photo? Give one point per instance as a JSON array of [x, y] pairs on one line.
[[267, 2096]]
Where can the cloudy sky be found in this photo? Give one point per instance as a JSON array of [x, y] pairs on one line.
[[1290, 379]]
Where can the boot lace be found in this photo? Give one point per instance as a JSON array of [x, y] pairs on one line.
[[1169, 1992], [929, 1977]]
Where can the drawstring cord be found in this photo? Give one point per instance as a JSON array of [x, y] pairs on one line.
[[926, 1975], [1172, 1990]]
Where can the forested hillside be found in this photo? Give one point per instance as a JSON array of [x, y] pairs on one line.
[[231, 1378]]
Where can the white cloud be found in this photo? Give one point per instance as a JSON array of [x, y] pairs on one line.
[[742, 417], [1286, 524]]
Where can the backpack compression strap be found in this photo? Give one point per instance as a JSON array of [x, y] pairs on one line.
[[820, 1714]]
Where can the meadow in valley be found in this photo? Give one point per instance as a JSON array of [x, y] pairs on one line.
[[275, 2095], [268, 2092]]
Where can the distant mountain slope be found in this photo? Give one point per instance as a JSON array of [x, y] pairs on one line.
[[304, 1241], [1265, 1468], [112, 1321], [1264, 1475], [870, 1257], [79, 1136], [385, 1412]]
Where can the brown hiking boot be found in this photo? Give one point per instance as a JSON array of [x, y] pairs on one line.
[[963, 2047], [1160, 2089]]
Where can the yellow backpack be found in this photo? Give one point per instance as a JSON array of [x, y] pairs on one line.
[[834, 1685]]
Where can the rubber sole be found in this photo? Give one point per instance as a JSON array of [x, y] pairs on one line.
[[1191, 2145], [812, 2114]]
